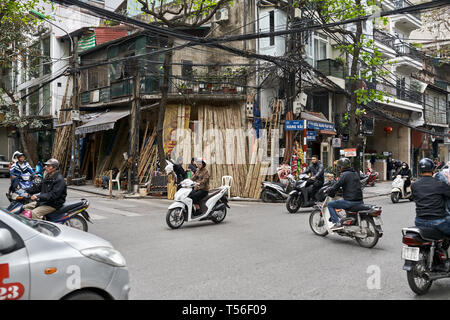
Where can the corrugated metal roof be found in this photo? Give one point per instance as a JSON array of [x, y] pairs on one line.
[[104, 121], [105, 34]]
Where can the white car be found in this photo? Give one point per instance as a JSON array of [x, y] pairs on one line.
[[4, 166], [46, 261]]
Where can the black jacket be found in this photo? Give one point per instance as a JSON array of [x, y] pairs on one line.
[[52, 191], [430, 194], [405, 172], [350, 183], [316, 170]]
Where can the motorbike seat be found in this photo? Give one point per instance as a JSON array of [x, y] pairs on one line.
[[67, 206], [360, 207], [429, 233]]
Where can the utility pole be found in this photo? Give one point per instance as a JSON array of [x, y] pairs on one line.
[[133, 146], [75, 113]]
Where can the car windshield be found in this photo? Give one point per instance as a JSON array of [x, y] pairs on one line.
[[3, 158], [40, 226]]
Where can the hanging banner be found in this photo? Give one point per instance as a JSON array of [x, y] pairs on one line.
[[350, 152]]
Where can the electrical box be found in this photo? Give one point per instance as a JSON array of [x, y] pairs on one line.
[[249, 110]]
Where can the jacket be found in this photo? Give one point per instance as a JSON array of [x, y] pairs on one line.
[[316, 170], [52, 191], [350, 183], [17, 170], [202, 177], [430, 195]]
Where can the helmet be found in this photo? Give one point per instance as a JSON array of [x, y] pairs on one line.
[[426, 165], [200, 160], [52, 162], [344, 163]]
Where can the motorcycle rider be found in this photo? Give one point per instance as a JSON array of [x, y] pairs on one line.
[[50, 195], [405, 171], [350, 183], [430, 194], [201, 188], [317, 171], [17, 169]]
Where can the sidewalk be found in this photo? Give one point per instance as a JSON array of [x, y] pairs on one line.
[[380, 189]]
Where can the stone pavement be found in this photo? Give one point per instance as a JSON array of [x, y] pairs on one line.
[[380, 189]]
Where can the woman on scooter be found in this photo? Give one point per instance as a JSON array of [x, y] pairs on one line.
[[404, 171], [201, 177]]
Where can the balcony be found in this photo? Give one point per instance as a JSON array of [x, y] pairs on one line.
[[405, 22], [400, 93], [334, 70], [385, 42]]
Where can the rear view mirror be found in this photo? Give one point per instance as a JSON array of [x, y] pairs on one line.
[[7, 243]]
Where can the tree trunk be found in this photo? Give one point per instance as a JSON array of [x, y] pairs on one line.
[[162, 106], [26, 150]]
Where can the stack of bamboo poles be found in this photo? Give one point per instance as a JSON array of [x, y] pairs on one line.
[[273, 124], [257, 172], [147, 155], [62, 145]]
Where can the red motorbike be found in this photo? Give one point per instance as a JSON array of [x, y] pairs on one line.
[[373, 176]]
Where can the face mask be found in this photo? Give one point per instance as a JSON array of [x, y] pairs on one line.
[[404, 167]]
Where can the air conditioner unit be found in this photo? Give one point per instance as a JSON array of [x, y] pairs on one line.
[[221, 15], [249, 110], [298, 108]]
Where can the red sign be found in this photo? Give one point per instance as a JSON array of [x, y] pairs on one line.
[[9, 291], [350, 152]]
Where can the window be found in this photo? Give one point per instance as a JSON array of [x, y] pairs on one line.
[[47, 100], [46, 58], [320, 49], [186, 70], [34, 101], [272, 26]]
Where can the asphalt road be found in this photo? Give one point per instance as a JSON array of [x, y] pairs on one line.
[[260, 251]]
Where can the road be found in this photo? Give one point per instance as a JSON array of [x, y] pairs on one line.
[[259, 252]]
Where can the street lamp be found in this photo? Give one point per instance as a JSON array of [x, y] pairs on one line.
[[42, 17]]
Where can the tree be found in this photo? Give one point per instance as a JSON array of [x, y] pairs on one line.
[[17, 30], [363, 58], [178, 14]]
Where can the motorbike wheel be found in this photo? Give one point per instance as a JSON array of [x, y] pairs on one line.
[[395, 197], [220, 216], [294, 202], [77, 222], [317, 223], [372, 184], [175, 218], [417, 282], [265, 197], [372, 234]]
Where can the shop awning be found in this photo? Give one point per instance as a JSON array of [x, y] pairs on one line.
[[317, 121], [104, 121]]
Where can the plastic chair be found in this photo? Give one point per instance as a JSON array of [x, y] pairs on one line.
[[227, 181], [116, 180]]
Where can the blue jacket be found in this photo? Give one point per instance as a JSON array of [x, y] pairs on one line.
[[17, 170]]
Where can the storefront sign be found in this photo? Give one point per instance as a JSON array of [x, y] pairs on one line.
[[294, 125], [311, 135], [350, 152]]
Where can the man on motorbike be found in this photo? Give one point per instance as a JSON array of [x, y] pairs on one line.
[[17, 169], [430, 194], [50, 195], [201, 188], [317, 171], [350, 183]]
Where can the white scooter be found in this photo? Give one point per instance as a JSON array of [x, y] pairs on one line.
[[398, 190], [362, 223], [213, 206]]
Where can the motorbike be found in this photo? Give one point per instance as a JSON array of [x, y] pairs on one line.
[[364, 178], [274, 191], [398, 191], [213, 207], [361, 222], [72, 214], [426, 257], [372, 176], [300, 197]]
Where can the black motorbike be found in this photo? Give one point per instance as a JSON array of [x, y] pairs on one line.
[[426, 257], [275, 191], [301, 198]]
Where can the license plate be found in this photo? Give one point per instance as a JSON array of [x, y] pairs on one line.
[[409, 253], [377, 221]]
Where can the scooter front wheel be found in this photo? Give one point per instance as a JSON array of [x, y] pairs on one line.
[[318, 223], [175, 218], [293, 203], [77, 222], [395, 197]]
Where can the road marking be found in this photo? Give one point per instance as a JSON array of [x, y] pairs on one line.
[[117, 211], [97, 216]]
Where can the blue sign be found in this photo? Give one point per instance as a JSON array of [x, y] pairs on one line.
[[310, 135], [294, 125], [320, 125]]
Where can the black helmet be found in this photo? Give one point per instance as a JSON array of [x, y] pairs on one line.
[[426, 165], [344, 163]]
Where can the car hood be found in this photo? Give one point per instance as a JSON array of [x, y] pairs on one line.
[[81, 240]]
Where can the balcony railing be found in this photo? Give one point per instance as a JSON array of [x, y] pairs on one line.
[[435, 116], [399, 4], [384, 38], [400, 93], [331, 67], [404, 49]]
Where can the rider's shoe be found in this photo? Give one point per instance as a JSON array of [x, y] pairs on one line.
[[337, 226]]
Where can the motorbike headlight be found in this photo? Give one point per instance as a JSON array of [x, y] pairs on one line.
[[106, 255]]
